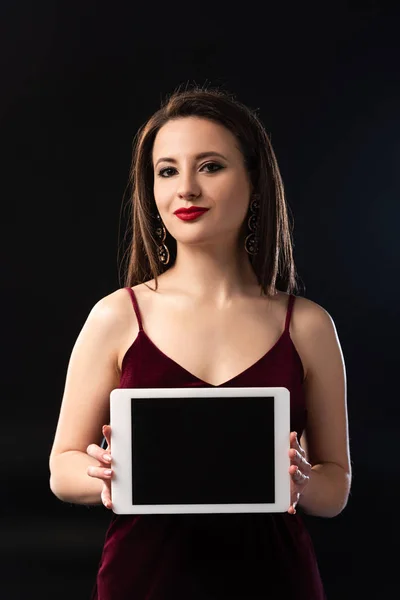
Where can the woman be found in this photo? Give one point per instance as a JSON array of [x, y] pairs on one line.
[[208, 302]]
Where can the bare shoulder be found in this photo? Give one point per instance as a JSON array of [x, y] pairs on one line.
[[311, 323], [116, 314], [311, 318], [112, 310], [309, 312]]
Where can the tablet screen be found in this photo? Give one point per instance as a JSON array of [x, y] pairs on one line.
[[204, 450]]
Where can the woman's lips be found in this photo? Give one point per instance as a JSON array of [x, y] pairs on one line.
[[189, 215]]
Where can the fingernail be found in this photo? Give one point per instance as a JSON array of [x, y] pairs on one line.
[[107, 472], [107, 457]]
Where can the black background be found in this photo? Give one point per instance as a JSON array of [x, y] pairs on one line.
[[78, 79]]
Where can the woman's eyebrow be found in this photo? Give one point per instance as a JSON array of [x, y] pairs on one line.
[[197, 157]]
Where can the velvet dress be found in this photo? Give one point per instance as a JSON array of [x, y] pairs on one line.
[[244, 556]]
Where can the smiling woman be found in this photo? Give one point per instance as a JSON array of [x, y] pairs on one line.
[[209, 301], [221, 188], [224, 143]]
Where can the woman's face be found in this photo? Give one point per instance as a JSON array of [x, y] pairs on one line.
[[218, 181]]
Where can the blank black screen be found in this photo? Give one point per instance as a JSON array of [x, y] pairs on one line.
[[203, 450]]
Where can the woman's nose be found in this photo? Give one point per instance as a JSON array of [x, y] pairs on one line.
[[188, 190], [187, 195], [188, 187]]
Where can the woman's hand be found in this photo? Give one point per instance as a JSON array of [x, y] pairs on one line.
[[104, 471], [299, 471]]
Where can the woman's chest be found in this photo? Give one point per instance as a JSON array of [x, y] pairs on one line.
[[213, 345], [216, 351]]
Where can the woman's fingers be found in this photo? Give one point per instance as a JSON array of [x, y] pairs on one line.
[[298, 475], [294, 443], [298, 457], [300, 470], [294, 500], [105, 474], [104, 471], [299, 479], [106, 496], [99, 472], [102, 455], [106, 429]]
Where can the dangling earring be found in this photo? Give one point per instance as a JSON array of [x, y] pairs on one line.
[[251, 241], [162, 250]]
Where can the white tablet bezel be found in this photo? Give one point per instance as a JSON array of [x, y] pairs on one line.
[[121, 435]]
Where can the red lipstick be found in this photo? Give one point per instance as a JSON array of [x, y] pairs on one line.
[[188, 214]]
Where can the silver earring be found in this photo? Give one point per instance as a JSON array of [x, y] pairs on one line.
[[162, 250], [251, 241]]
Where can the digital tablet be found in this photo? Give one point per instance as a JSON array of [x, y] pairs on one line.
[[200, 450]]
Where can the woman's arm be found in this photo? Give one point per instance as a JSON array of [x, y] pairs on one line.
[[326, 438], [92, 374]]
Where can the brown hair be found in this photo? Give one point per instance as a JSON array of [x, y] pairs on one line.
[[273, 264]]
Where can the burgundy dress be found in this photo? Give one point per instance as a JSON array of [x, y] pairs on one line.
[[244, 556]]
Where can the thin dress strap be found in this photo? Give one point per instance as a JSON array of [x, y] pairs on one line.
[[289, 311], [135, 307]]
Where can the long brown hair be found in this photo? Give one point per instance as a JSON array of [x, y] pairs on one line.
[[273, 264]]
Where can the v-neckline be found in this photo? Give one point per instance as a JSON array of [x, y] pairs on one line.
[[143, 333]]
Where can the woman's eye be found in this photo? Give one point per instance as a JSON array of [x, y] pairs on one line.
[[213, 165], [163, 172]]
